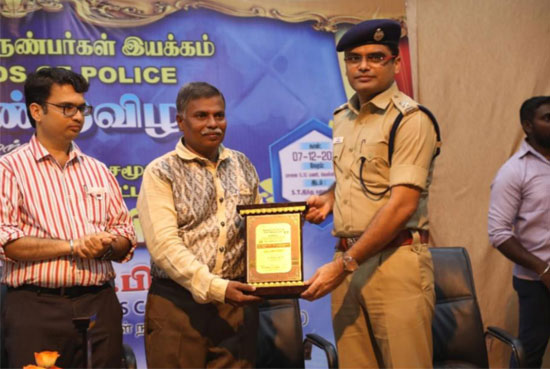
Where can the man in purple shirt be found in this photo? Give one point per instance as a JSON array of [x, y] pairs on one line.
[[519, 225]]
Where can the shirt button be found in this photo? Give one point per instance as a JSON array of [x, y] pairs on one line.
[[350, 149], [347, 177], [347, 228], [345, 202], [222, 224], [222, 249], [221, 199]]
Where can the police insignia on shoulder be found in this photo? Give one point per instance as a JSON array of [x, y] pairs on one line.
[[406, 106]]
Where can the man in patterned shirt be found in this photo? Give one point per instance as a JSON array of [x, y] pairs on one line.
[[198, 313], [62, 221]]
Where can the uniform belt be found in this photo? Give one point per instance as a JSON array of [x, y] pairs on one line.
[[73, 291], [403, 238]]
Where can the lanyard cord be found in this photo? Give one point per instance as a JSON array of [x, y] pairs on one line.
[[368, 193]]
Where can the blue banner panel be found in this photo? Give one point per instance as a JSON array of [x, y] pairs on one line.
[[275, 76]]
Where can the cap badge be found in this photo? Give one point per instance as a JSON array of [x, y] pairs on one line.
[[378, 35]]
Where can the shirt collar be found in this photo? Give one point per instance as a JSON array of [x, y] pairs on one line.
[[526, 148], [353, 104], [39, 152], [183, 152], [380, 101]]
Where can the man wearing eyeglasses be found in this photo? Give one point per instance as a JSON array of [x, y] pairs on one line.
[[381, 277], [62, 222]]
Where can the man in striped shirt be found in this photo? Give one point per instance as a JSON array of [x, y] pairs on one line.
[[62, 221]]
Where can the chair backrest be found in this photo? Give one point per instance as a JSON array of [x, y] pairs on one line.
[[128, 357], [280, 335], [457, 327]]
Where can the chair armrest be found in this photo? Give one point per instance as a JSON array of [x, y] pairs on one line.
[[323, 344], [513, 342]]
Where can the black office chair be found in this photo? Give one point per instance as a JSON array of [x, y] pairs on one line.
[[128, 357], [458, 336], [280, 337]]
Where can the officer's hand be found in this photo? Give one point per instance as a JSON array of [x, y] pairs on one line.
[[94, 245], [235, 294], [325, 279], [546, 280], [319, 207]]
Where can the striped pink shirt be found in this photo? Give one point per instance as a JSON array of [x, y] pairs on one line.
[[38, 198]]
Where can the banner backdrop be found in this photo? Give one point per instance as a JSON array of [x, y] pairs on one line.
[[281, 82]]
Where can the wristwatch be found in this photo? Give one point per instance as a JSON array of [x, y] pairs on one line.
[[350, 264]]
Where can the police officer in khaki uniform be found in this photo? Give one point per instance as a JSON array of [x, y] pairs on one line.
[[381, 277]]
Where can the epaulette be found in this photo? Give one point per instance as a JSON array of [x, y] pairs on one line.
[[398, 120], [404, 103], [340, 108]]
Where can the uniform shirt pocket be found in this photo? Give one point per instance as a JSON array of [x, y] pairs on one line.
[[371, 165]]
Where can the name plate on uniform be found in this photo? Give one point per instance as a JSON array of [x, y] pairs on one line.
[[273, 244]]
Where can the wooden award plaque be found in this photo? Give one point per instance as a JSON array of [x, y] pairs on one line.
[[273, 244]]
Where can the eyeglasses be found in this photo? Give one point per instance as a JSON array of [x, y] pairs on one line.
[[373, 60], [70, 110]]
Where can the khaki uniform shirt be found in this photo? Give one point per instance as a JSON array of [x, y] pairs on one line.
[[187, 208], [364, 132]]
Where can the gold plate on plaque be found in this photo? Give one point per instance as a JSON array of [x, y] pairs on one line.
[[273, 244]]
